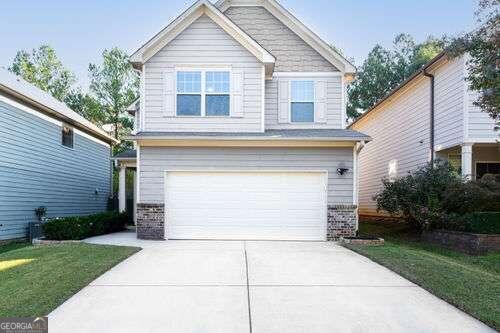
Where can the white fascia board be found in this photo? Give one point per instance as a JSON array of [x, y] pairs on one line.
[[245, 138], [186, 19], [307, 74], [299, 28]]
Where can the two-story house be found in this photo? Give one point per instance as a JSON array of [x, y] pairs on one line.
[[240, 129], [430, 116]]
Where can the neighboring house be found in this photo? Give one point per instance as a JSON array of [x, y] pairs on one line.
[[49, 156], [241, 129], [431, 114]]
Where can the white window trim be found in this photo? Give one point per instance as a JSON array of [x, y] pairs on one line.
[[203, 92], [290, 101]]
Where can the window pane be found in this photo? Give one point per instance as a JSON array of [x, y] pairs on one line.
[[189, 82], [302, 91], [217, 105], [67, 136], [303, 112], [217, 82], [189, 105], [487, 168]]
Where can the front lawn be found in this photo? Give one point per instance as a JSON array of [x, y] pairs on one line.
[[34, 280], [471, 283]]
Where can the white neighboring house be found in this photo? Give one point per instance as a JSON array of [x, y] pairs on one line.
[[240, 129], [431, 114]]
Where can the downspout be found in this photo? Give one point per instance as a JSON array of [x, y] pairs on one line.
[[357, 149], [431, 138]]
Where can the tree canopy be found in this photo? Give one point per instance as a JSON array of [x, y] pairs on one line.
[[115, 85], [43, 68], [483, 48], [384, 69]]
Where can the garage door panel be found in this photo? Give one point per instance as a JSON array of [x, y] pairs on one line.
[[202, 218], [236, 232], [246, 205]]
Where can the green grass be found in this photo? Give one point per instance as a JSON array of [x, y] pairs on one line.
[[34, 280], [471, 283]]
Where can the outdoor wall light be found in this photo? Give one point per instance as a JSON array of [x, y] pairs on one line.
[[341, 171], [96, 192]]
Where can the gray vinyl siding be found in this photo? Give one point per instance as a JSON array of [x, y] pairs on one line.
[[292, 53], [154, 161], [335, 105], [203, 42], [36, 170]]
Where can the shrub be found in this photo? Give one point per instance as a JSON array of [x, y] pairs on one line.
[[433, 196], [479, 223], [80, 227]]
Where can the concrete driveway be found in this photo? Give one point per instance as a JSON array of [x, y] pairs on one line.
[[212, 286]]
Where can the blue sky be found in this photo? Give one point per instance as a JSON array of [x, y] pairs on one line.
[[80, 30]]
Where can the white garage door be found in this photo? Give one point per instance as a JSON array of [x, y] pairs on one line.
[[246, 205]]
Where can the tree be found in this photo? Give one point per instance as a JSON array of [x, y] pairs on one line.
[[115, 86], [43, 68], [483, 47], [86, 105], [384, 70]]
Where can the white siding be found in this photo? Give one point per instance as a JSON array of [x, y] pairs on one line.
[[155, 161], [449, 104], [204, 42], [400, 131], [334, 105], [481, 127]]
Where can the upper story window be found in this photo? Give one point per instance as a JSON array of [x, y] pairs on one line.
[[217, 94], [189, 93], [67, 136], [203, 93], [302, 101]]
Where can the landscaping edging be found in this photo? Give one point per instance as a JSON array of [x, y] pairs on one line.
[[469, 243], [54, 242], [362, 241]]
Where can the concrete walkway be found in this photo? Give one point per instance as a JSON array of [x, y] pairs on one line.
[[212, 286]]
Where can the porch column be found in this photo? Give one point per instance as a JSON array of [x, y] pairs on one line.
[[122, 199], [467, 160], [135, 197]]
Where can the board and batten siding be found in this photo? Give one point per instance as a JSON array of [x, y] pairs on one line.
[[36, 170], [449, 104], [399, 129], [156, 160], [292, 53], [203, 43], [335, 106]]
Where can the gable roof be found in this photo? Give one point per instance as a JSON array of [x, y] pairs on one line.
[[18, 88], [412, 78], [199, 8], [294, 24]]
